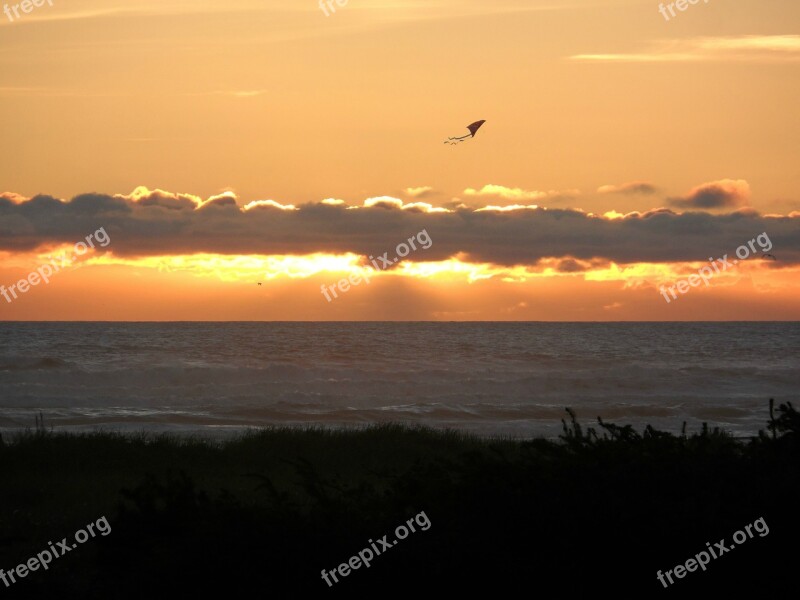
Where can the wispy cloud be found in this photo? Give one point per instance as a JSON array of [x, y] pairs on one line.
[[516, 194], [755, 48], [634, 187], [234, 93], [419, 192]]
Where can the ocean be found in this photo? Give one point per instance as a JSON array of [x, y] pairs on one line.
[[509, 379]]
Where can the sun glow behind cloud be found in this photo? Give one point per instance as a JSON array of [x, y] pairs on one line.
[[215, 286], [274, 268]]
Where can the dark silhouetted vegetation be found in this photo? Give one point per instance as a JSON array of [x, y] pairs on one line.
[[602, 508]]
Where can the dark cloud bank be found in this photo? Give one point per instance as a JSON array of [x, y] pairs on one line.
[[161, 223]]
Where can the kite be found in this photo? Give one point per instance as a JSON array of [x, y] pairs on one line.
[[473, 129]]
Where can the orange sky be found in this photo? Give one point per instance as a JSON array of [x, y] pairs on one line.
[[594, 110]]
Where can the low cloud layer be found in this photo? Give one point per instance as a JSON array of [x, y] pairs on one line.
[[151, 223]]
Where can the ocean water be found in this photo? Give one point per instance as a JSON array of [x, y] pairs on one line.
[[512, 379]]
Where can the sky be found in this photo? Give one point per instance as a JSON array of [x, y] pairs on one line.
[[214, 146]]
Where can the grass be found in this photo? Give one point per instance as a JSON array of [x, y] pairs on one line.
[[608, 506]]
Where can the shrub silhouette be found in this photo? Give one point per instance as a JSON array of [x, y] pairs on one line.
[[268, 511]]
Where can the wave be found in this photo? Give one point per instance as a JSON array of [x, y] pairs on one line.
[[485, 377]]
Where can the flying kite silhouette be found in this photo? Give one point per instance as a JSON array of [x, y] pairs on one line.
[[473, 129]]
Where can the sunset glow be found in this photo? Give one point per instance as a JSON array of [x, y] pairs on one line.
[[619, 154]]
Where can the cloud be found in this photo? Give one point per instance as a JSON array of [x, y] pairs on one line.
[[383, 202], [168, 200], [570, 265], [159, 223], [390, 203], [751, 48], [268, 204], [12, 197], [227, 200], [726, 193], [232, 93], [613, 306], [634, 187], [508, 208], [420, 192], [424, 207], [517, 194], [501, 191]]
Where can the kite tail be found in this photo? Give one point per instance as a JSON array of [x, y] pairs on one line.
[[456, 140]]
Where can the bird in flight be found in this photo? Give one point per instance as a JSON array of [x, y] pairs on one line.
[[772, 256], [259, 283], [473, 129]]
